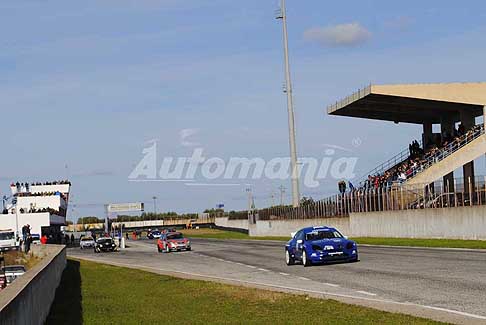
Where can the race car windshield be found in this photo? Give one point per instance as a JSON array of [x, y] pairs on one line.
[[318, 235], [6, 235], [175, 236]]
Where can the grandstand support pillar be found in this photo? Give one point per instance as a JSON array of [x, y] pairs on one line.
[[467, 119], [448, 183], [468, 172], [484, 117], [427, 135]]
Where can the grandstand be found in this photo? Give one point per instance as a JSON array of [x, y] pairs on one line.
[[421, 176]]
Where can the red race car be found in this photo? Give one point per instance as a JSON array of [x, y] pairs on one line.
[[173, 241]]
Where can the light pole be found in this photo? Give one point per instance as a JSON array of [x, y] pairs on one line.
[[282, 191], [155, 204], [290, 108]]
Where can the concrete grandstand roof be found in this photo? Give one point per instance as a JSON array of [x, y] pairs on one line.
[[413, 103]]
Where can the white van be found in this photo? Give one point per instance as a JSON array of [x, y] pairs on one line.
[[8, 241]]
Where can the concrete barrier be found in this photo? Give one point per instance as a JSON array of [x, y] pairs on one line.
[[285, 227], [226, 223], [28, 299], [452, 223], [447, 223]]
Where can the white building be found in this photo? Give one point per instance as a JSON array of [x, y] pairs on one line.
[[42, 206]]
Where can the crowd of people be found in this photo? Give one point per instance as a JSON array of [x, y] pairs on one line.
[[35, 210], [64, 182], [25, 187], [419, 157], [26, 194]]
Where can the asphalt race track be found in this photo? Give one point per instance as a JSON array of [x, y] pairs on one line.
[[443, 284]]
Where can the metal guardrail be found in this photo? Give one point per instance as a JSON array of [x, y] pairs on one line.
[[387, 165], [349, 99], [469, 192], [449, 149]]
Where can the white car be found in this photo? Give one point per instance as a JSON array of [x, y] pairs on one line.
[[86, 242], [12, 272], [36, 239]]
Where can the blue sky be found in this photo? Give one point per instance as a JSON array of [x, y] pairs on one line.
[[87, 84]]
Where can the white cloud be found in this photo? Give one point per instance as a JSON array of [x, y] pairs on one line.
[[185, 134], [351, 34]]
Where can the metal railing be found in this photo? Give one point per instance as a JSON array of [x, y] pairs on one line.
[[460, 193], [431, 158], [389, 164]]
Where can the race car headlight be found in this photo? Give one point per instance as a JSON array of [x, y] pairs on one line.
[[328, 248], [349, 245], [173, 244]]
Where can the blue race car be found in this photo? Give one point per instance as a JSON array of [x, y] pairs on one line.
[[314, 245]]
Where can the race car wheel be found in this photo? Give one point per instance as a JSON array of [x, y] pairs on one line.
[[289, 260], [158, 249], [188, 248], [305, 260], [167, 249]]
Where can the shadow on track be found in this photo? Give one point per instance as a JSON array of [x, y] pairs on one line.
[[67, 307]]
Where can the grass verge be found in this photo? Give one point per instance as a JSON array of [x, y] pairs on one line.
[[92, 293], [20, 258], [444, 243], [224, 234]]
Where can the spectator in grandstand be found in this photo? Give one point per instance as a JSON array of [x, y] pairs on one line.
[[342, 187], [460, 130], [351, 186], [28, 242]]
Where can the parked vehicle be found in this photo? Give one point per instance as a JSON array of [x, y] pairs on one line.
[[154, 234], [12, 272], [173, 241], [105, 244], [314, 245], [86, 242], [8, 240], [36, 239]]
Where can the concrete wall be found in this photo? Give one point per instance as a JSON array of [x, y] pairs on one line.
[[28, 299], [35, 220], [40, 202], [284, 228], [224, 222], [453, 223]]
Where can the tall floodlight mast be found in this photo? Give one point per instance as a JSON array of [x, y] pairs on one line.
[[282, 14]]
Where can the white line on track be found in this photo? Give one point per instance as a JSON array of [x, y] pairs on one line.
[[251, 266], [366, 293], [264, 270], [331, 285], [302, 278], [136, 266], [282, 273]]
